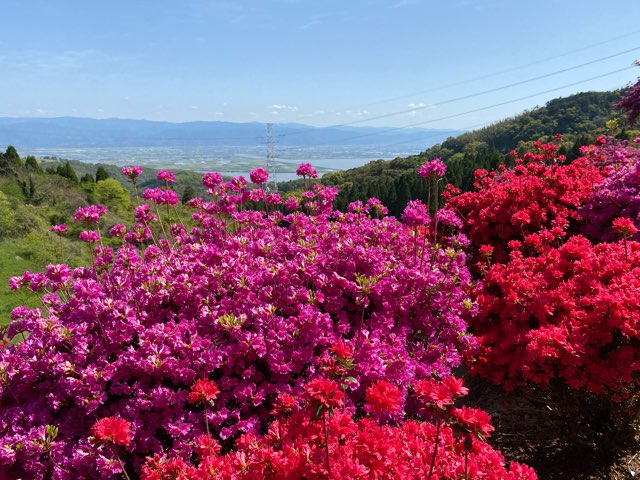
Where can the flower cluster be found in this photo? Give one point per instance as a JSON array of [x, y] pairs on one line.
[[432, 169], [132, 172], [529, 207], [618, 195], [294, 447], [259, 176], [306, 170], [259, 302], [570, 314], [90, 214]]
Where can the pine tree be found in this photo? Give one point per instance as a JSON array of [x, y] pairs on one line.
[[101, 173]]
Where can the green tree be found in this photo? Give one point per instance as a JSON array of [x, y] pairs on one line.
[[11, 155], [101, 173], [32, 164], [67, 171], [112, 194], [87, 178], [188, 194]]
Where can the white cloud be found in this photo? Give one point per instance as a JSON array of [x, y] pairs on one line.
[[194, 107], [284, 108]]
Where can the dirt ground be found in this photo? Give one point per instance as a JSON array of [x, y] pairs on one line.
[[558, 446]]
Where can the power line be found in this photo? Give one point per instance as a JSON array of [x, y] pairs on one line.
[[483, 77], [433, 120], [477, 94]]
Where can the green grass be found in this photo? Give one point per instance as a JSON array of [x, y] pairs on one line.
[[11, 263]]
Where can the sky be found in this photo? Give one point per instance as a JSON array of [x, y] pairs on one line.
[[397, 63]]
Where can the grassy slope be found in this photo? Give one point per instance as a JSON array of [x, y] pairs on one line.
[[11, 263]]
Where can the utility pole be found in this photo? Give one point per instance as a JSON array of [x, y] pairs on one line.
[[272, 184]]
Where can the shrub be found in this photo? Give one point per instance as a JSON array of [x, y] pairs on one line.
[[258, 303]]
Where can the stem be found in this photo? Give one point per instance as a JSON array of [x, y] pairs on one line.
[[435, 212], [326, 442], [164, 232], [435, 447], [466, 464], [206, 424], [359, 328], [122, 466], [135, 189]]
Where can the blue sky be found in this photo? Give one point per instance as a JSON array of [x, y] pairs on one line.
[[319, 62]]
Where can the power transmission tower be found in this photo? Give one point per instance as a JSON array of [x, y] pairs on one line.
[[272, 184]]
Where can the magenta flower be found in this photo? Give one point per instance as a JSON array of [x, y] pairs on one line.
[[90, 214], [211, 179], [306, 170], [415, 214], [118, 230], [62, 228], [166, 175], [89, 236], [131, 171], [432, 169], [259, 176]]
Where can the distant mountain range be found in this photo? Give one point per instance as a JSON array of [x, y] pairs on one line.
[[89, 132]]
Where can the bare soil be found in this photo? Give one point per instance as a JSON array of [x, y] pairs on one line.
[[558, 443]]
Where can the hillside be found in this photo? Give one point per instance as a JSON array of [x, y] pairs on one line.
[[579, 118]]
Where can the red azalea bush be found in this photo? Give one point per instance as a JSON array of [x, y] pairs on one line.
[[571, 314], [530, 206], [450, 446]]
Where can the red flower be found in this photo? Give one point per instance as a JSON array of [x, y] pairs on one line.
[[323, 393], [624, 227], [384, 397], [203, 391], [486, 250], [454, 387], [474, 420], [112, 430], [342, 350]]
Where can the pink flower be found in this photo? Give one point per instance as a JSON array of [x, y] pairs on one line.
[[433, 169], [211, 179], [415, 214], [118, 230], [259, 176], [62, 228], [292, 203], [166, 175], [131, 171], [306, 170], [90, 236], [203, 391], [116, 431], [90, 214], [274, 199]]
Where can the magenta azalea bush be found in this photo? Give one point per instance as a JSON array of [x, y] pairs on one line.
[[618, 195], [258, 302]]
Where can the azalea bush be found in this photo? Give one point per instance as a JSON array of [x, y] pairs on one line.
[[571, 314], [256, 300], [529, 207], [319, 438], [618, 195]]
